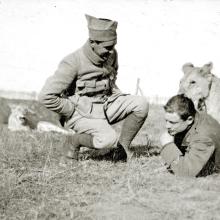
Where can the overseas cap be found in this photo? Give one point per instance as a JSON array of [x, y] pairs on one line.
[[101, 29]]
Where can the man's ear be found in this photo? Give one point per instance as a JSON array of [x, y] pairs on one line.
[[187, 67], [190, 120], [92, 44]]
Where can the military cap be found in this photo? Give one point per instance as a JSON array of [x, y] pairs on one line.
[[101, 29]]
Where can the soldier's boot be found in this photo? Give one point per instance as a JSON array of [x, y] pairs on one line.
[[72, 146], [132, 124]]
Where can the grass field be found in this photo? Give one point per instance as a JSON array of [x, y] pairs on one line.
[[34, 186]]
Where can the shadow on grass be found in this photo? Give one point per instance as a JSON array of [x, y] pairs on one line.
[[110, 154]]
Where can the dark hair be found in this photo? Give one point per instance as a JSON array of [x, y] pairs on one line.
[[181, 105]]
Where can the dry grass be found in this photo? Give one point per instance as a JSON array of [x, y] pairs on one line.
[[34, 186]]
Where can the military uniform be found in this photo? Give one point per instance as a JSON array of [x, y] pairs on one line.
[[197, 151], [84, 92]]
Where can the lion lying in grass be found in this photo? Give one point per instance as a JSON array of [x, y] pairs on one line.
[[203, 87], [23, 118]]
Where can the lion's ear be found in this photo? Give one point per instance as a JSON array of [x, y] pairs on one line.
[[207, 67], [187, 67], [206, 71]]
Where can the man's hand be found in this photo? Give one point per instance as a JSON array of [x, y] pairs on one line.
[[166, 138]]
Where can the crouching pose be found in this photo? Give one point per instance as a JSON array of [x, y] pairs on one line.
[[191, 145], [83, 91]]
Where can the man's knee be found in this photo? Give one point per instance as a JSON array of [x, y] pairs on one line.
[[142, 106], [108, 140]]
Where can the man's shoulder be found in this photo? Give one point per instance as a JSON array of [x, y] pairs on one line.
[[207, 125], [72, 57], [208, 121], [74, 53]]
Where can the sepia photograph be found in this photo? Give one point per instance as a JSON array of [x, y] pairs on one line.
[[109, 109]]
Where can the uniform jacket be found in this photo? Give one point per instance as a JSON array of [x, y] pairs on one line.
[[81, 79], [196, 152]]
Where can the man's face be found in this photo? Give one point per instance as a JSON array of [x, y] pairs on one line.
[[175, 124], [103, 49]]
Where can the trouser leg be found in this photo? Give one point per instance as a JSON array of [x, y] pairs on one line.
[[134, 109], [91, 133]]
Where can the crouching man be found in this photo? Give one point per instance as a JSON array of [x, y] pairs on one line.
[[83, 91], [191, 145]]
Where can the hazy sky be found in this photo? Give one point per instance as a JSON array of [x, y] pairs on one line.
[[155, 38]]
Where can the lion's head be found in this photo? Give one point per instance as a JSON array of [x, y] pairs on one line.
[[19, 118], [196, 82]]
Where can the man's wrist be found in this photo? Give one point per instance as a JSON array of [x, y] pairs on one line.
[[170, 152]]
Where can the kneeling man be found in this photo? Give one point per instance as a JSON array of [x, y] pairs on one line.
[[83, 91], [191, 144]]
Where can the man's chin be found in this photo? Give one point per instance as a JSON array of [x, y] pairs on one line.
[[172, 133]]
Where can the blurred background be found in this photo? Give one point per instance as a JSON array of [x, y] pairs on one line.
[[155, 38]]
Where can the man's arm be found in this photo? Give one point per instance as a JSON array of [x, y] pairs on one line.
[[50, 95], [115, 88], [199, 152]]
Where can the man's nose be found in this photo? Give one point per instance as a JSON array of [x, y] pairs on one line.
[[104, 50]]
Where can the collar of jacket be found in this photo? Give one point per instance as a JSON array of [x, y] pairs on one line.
[[193, 128], [91, 55]]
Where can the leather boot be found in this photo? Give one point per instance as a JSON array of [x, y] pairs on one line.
[[130, 128], [73, 143], [119, 154]]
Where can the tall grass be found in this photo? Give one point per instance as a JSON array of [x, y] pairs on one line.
[[34, 186]]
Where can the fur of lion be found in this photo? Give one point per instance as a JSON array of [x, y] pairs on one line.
[[200, 85]]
